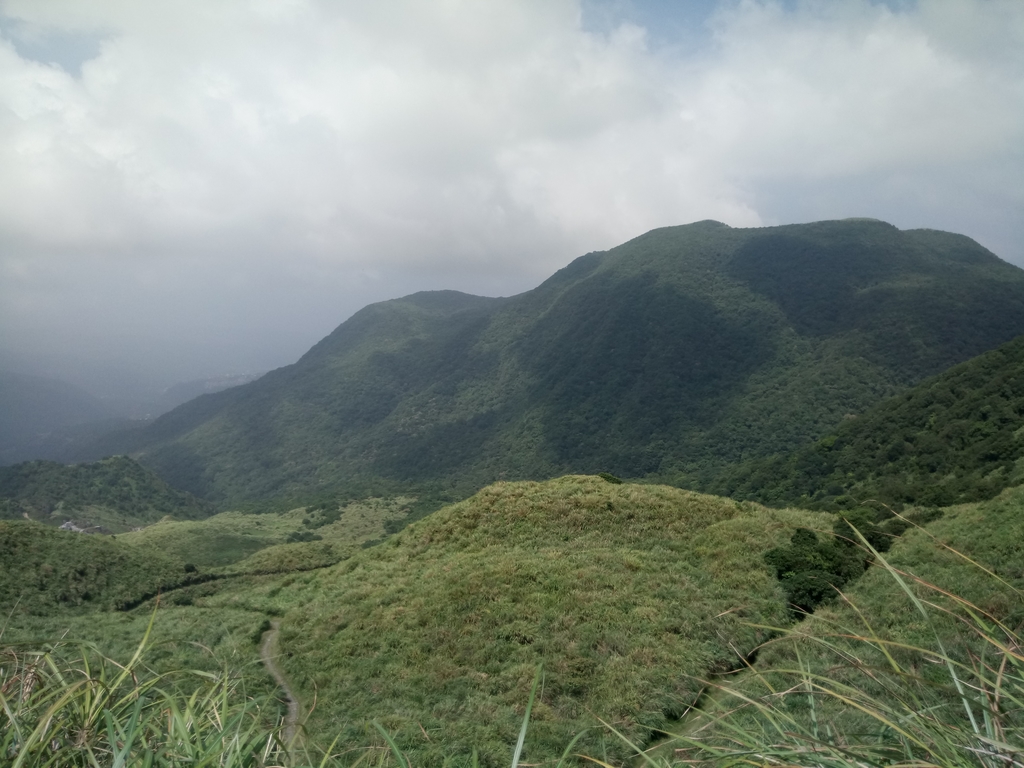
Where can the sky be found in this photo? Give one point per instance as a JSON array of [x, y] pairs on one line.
[[193, 188]]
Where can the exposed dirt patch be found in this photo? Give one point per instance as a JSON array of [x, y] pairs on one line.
[[268, 655]]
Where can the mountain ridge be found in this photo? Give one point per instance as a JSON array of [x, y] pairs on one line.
[[684, 349]]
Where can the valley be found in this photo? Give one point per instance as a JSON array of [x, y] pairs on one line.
[[794, 450]]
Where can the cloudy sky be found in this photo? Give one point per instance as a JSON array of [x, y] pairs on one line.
[[189, 188]]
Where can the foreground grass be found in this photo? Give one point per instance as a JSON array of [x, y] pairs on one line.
[[920, 664], [73, 706]]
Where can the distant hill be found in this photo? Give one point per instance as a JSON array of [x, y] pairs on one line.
[[34, 411], [112, 495], [671, 356], [954, 438]]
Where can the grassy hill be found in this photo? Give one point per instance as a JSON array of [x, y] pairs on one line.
[[954, 438], [234, 538], [677, 353], [44, 570], [631, 595], [112, 495], [622, 591]]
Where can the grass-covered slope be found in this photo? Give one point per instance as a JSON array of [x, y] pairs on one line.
[[256, 541], [621, 591], [683, 350], [919, 664], [44, 570], [954, 438], [833, 678], [113, 495]]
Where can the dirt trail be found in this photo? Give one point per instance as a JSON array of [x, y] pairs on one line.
[[269, 655]]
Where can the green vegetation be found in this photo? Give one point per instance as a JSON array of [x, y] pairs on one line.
[[230, 537], [670, 357], [72, 706], [689, 354], [110, 496], [632, 596], [45, 569], [46, 572], [620, 590], [954, 438], [920, 664], [813, 569]]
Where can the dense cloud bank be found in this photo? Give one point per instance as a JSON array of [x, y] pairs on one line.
[[206, 187]]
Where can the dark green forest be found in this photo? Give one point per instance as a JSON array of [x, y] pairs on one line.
[[671, 357], [114, 494], [952, 439]]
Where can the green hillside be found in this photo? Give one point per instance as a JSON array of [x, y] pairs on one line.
[[253, 542], [630, 595], [887, 675], [622, 591], [112, 495], [44, 570], [679, 352], [954, 438]]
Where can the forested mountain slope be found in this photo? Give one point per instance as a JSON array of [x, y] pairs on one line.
[[113, 495], [672, 355], [954, 438]]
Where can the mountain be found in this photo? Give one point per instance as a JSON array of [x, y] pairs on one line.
[[112, 495], [671, 356], [184, 391], [952, 439]]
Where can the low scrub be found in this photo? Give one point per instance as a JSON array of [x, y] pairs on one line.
[[44, 570]]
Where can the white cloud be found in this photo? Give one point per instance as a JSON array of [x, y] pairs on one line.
[[223, 158]]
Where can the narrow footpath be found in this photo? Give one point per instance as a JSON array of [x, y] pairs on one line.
[[269, 655]]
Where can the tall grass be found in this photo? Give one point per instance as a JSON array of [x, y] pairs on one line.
[[70, 705], [919, 664], [845, 695]]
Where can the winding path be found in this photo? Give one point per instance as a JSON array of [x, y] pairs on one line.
[[269, 655]]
